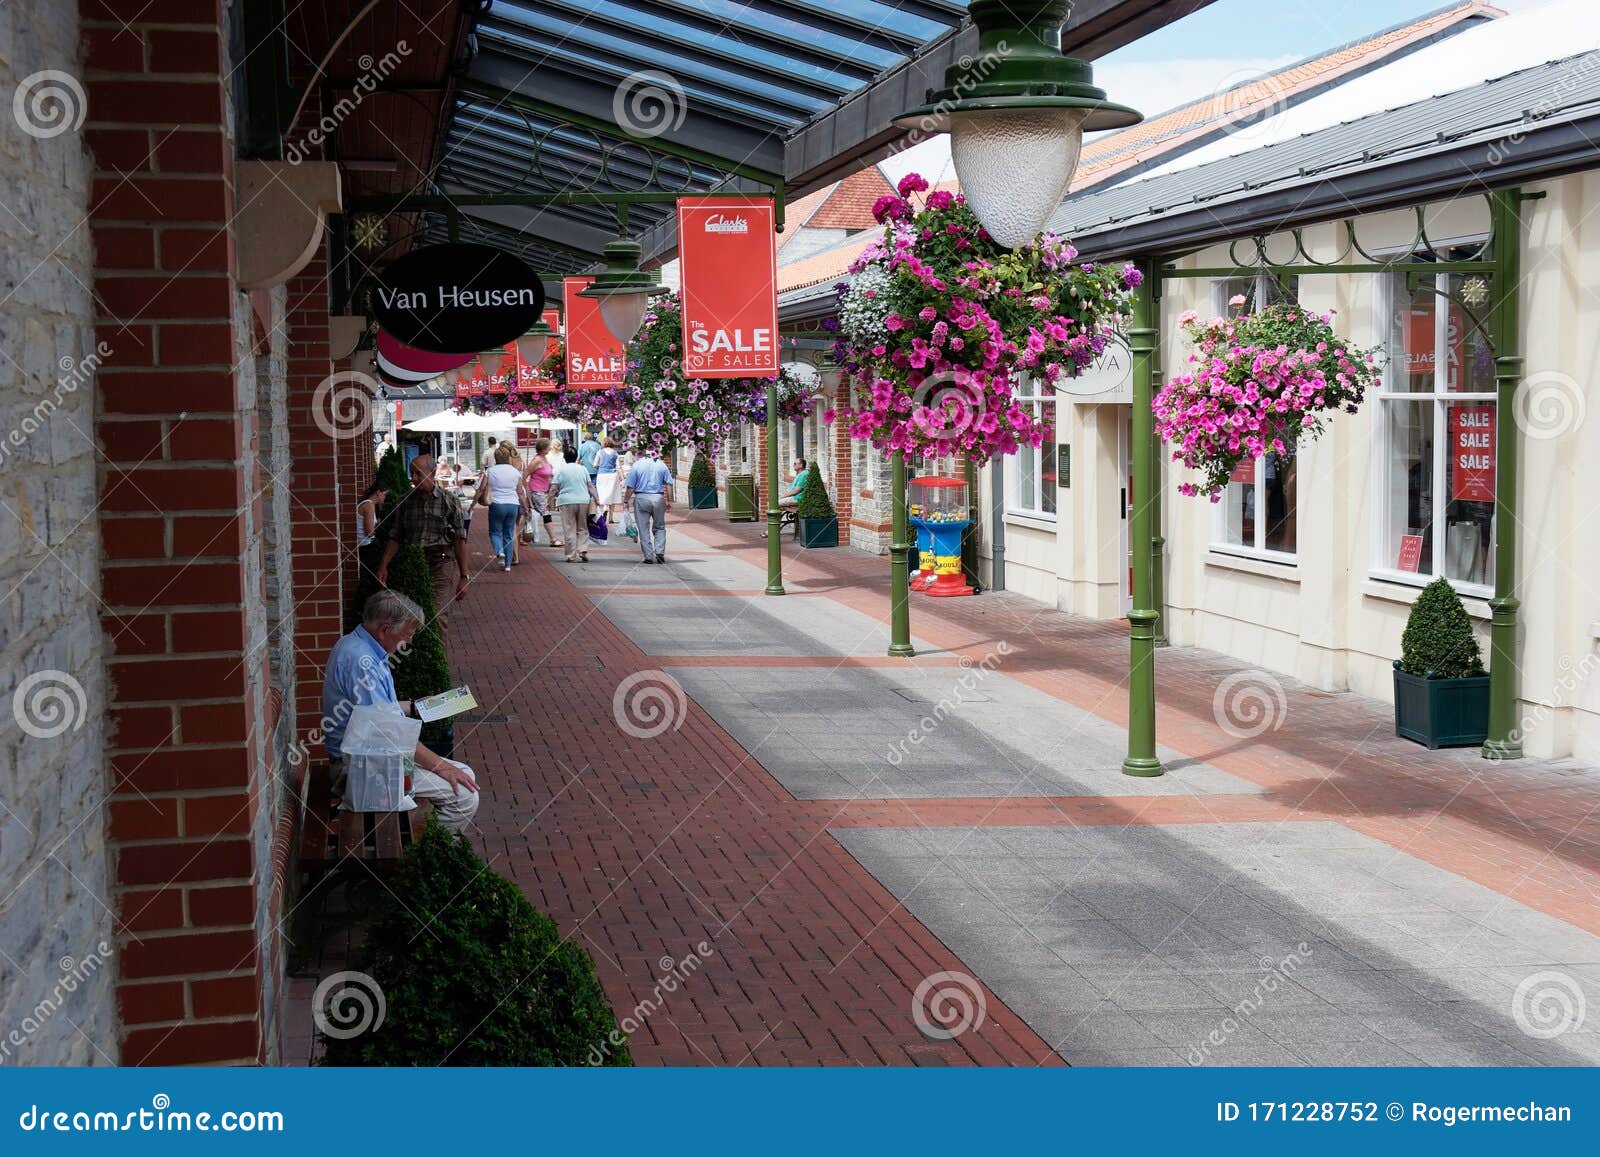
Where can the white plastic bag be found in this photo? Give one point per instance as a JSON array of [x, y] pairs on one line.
[[379, 749]]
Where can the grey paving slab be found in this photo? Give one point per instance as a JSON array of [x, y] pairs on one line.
[[749, 625], [899, 732], [618, 568], [1191, 944]]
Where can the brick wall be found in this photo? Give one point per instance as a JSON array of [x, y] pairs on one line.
[[181, 518], [56, 990]]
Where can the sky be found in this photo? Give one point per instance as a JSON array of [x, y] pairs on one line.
[[1205, 52]]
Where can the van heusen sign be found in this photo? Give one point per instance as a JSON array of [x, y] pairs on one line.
[[458, 298], [1108, 379]]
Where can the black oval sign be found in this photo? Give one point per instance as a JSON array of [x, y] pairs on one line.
[[458, 298]]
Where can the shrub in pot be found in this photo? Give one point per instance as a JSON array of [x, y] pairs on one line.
[[702, 485], [470, 974], [819, 524], [1441, 693]]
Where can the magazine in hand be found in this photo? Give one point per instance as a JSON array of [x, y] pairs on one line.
[[444, 704]]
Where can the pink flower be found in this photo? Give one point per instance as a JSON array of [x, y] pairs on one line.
[[912, 183], [939, 199], [1236, 299]]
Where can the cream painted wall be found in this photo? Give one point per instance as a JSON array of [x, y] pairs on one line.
[[1323, 618]]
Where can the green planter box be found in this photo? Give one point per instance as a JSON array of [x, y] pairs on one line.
[[742, 498], [819, 531], [702, 498], [1441, 712]]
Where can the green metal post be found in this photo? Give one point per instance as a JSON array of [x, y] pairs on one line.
[[1158, 541], [774, 534], [899, 548], [1143, 342], [1505, 738]]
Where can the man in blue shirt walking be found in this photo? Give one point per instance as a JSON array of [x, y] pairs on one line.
[[649, 488]]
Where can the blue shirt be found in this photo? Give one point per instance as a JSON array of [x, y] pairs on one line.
[[358, 676], [588, 451], [649, 476], [606, 463], [570, 484], [799, 483]]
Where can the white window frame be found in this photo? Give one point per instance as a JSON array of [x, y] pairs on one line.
[[1379, 566], [1219, 513], [1037, 392]]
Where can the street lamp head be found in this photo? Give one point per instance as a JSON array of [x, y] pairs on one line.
[[622, 289], [1016, 112], [532, 345]]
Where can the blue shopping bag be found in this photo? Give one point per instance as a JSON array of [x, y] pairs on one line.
[[597, 527]]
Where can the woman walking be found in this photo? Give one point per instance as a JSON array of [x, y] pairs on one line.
[[506, 497], [573, 492], [607, 482], [537, 478], [372, 500]]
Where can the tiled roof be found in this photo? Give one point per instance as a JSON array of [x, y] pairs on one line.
[[1162, 136], [849, 206]]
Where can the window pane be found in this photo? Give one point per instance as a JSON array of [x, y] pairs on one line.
[[1047, 472], [1239, 507], [1472, 359], [1408, 492], [1412, 337], [1027, 477], [1469, 492], [1280, 499]]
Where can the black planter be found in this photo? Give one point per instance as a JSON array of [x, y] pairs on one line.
[[819, 531], [1441, 712], [702, 498]]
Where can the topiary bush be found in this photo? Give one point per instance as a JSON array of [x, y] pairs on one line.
[[814, 501], [472, 974], [700, 472], [1438, 642]]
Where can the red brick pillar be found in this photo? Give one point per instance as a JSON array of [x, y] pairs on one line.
[[843, 464], [185, 785], [321, 529]]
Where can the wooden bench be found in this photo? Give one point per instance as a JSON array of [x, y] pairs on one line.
[[332, 841]]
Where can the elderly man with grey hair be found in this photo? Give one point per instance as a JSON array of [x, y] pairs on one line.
[[358, 676]]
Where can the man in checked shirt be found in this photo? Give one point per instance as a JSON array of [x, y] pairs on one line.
[[430, 518]]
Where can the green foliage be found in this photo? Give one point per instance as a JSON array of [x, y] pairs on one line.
[[1438, 642], [700, 472], [472, 974], [814, 501], [424, 668]]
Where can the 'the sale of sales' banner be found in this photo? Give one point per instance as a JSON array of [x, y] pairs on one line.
[[728, 264], [1472, 453], [594, 355]]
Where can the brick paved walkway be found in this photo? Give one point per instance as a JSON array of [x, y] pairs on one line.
[[1398, 898]]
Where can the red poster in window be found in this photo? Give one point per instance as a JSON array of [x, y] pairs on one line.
[[1472, 453], [729, 271], [1245, 472], [1410, 553], [594, 355]]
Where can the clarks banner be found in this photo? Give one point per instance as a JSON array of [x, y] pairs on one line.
[[457, 298], [594, 355], [729, 268]]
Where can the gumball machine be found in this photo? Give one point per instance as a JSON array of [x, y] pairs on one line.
[[939, 511], [923, 579]]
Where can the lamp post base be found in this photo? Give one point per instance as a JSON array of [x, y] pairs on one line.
[[1502, 749], [902, 651], [1145, 767]]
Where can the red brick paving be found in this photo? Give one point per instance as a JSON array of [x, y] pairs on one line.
[[644, 848]]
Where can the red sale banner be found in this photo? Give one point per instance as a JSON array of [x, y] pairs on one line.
[[727, 259], [594, 355], [1472, 453]]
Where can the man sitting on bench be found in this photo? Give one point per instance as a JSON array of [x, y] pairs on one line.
[[358, 676], [791, 496]]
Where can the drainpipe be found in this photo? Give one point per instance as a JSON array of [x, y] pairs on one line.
[[997, 536], [1505, 741], [1158, 542], [1143, 341]]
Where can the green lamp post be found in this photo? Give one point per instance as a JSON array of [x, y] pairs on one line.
[[774, 517], [899, 550], [1016, 111]]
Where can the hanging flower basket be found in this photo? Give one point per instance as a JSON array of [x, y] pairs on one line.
[[939, 323], [1263, 382], [796, 397]]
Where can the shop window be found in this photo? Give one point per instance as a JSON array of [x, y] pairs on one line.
[[1257, 514], [1436, 434], [1030, 472]]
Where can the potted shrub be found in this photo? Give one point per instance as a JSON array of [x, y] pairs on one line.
[[702, 485], [819, 524], [469, 972], [1441, 694]]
